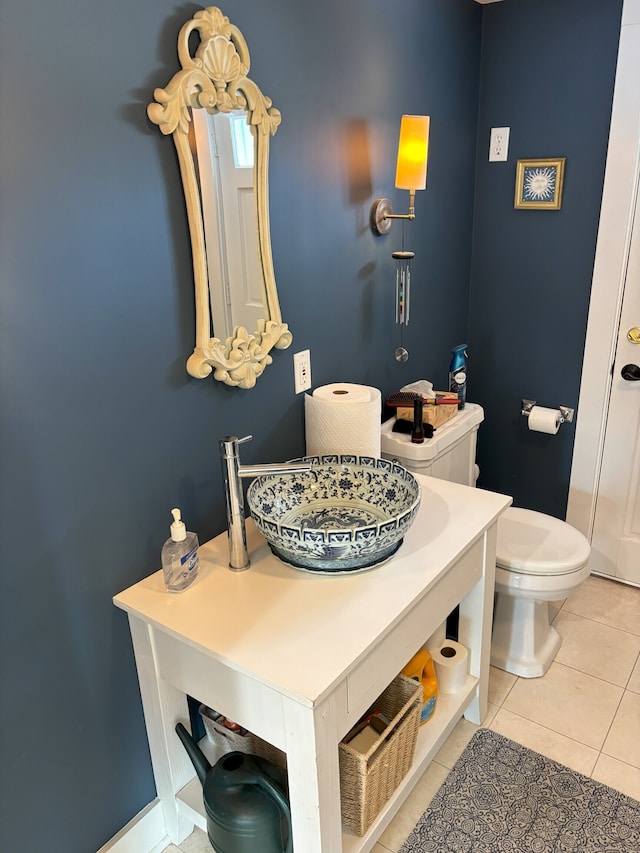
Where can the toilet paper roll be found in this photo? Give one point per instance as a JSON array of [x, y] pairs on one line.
[[343, 418], [544, 420], [450, 661]]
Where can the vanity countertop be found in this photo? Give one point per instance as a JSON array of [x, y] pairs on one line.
[[300, 632]]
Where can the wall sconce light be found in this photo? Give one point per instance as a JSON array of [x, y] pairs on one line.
[[411, 172]]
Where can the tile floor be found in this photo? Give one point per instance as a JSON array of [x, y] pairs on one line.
[[584, 712]]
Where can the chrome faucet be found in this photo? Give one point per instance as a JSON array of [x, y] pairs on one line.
[[232, 472]]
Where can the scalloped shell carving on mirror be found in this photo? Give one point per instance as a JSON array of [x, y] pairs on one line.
[[215, 79]]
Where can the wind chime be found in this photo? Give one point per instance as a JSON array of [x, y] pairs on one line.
[[403, 294]]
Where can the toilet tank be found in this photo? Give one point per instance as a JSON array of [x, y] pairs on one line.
[[449, 455]]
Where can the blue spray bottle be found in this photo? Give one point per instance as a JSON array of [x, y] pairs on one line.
[[458, 373]]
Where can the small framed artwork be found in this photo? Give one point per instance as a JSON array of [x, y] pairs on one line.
[[539, 184]]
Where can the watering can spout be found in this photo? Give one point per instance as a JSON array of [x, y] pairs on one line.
[[194, 752]]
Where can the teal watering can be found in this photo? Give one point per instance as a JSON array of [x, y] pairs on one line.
[[245, 801]]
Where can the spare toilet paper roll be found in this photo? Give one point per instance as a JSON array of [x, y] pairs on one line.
[[343, 418], [544, 420], [450, 661]]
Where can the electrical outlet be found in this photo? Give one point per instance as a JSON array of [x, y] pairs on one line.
[[499, 144], [302, 371]]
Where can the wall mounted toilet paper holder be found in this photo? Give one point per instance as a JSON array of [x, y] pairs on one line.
[[566, 414]]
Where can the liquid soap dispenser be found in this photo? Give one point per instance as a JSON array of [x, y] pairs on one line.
[[179, 556]]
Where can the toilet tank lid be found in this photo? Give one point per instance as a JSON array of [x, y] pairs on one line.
[[534, 543], [398, 445]]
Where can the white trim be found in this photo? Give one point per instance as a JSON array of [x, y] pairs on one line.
[[145, 833], [612, 250]]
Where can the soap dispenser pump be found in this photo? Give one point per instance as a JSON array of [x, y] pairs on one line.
[[179, 556]]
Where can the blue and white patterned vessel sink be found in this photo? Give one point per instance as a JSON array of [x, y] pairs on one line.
[[346, 514]]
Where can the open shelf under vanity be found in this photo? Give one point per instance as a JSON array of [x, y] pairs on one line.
[[450, 707]]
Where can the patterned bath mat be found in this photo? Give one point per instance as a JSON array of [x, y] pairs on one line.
[[504, 798]]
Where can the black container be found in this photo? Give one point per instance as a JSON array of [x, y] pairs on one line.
[[417, 432], [244, 799]]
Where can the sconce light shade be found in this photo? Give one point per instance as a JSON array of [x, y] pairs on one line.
[[411, 172], [411, 169]]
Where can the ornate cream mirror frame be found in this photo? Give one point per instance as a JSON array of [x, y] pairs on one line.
[[215, 79]]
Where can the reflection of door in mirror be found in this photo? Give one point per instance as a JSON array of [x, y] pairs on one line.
[[225, 155]]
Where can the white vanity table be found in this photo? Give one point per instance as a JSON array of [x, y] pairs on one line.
[[298, 657]]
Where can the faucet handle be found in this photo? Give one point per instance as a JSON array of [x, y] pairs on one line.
[[229, 445]]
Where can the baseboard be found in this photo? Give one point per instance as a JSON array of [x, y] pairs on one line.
[[145, 833]]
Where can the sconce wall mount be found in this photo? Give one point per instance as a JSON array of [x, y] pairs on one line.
[[381, 215]]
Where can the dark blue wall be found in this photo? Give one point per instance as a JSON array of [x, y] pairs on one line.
[[547, 72], [102, 430]]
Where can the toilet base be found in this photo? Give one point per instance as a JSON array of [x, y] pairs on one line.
[[523, 641]]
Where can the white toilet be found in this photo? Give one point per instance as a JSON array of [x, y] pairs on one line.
[[539, 558]]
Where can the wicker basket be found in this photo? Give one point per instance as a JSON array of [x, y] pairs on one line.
[[229, 741], [367, 780]]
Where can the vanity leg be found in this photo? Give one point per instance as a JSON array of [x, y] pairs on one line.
[[314, 779], [474, 630], [163, 706]]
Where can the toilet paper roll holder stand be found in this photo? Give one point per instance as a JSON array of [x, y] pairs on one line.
[[566, 414]]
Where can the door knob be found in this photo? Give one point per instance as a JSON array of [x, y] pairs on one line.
[[630, 372]]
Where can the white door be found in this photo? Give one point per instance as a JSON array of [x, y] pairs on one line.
[[224, 147], [616, 531], [236, 175], [604, 488]]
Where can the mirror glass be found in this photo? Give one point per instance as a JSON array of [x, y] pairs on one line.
[[225, 167], [221, 124]]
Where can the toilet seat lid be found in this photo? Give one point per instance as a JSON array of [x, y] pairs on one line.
[[533, 543]]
